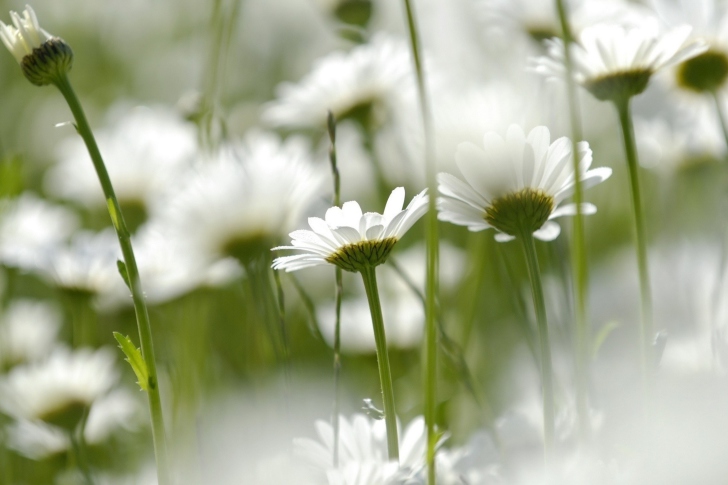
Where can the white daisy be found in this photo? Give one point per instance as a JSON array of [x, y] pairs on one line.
[[28, 332], [350, 239], [145, 150], [86, 264], [25, 36], [43, 58], [37, 440], [367, 83], [516, 184], [243, 201], [615, 62], [29, 226], [709, 18], [59, 389]]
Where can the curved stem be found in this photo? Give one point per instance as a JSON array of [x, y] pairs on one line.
[[582, 329], [433, 253], [646, 328], [140, 306], [534, 273], [385, 374]]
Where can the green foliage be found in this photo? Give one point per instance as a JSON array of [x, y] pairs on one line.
[[135, 359]]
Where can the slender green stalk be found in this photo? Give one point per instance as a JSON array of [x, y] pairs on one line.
[[331, 121], [385, 374], [285, 341], [721, 116], [534, 273], [78, 447], [433, 253], [140, 306], [582, 329], [646, 327]]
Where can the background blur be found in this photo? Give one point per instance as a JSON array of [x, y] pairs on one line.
[[174, 87]]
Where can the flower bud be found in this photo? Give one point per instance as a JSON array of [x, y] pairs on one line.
[[44, 59]]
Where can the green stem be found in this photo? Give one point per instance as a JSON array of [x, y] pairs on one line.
[[78, 446], [646, 327], [140, 307], [582, 328], [331, 122], [721, 116], [433, 253], [385, 374], [534, 273]]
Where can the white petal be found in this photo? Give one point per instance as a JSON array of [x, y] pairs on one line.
[[503, 237], [548, 232], [587, 209], [352, 214], [394, 204]]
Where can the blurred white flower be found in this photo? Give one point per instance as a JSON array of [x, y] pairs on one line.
[[87, 263], [539, 18], [614, 62], [363, 454], [367, 83], [243, 201], [708, 71], [169, 269], [28, 332], [59, 389], [29, 226], [350, 239], [38, 440], [144, 149], [516, 184]]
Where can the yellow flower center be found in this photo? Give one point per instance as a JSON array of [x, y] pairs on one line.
[[520, 212], [619, 86], [706, 72], [358, 256]]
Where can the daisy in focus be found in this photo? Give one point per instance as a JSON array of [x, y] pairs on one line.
[[515, 185], [615, 62], [350, 239]]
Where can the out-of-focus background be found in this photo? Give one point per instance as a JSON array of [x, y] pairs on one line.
[[211, 118]]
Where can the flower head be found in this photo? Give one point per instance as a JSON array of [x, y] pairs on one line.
[[614, 62], [515, 185], [352, 240], [244, 200], [43, 58], [60, 389], [365, 84]]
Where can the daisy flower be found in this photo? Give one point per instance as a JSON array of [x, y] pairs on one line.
[[29, 226], [350, 239], [615, 62], [708, 71], [59, 389], [367, 84], [145, 150], [244, 200], [25, 36], [28, 332], [44, 59], [516, 184]]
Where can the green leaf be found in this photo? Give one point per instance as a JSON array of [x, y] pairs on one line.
[[134, 357], [122, 271]]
